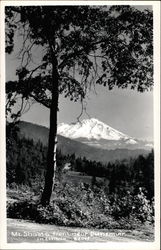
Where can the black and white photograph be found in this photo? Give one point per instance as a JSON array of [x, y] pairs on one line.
[[80, 126]]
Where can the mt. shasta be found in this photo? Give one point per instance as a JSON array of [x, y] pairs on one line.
[[96, 133], [87, 140], [92, 129]]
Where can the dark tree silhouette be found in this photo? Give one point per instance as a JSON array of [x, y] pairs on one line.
[[78, 46]]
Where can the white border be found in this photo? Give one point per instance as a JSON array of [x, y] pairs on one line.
[[109, 245]]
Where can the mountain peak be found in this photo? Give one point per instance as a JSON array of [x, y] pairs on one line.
[[92, 129], [90, 120], [85, 121]]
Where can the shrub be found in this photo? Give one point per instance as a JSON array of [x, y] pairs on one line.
[[83, 207], [22, 210], [136, 206]]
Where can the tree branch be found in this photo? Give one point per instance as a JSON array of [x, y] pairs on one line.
[[40, 101], [77, 53]]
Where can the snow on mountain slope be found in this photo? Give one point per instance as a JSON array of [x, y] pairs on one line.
[[92, 129]]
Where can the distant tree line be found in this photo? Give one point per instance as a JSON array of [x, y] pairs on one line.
[[25, 162], [133, 173]]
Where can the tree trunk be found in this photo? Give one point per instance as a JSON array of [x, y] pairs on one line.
[[52, 142]]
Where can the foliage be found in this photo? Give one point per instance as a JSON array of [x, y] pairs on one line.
[[112, 47], [25, 165], [83, 207], [130, 205]]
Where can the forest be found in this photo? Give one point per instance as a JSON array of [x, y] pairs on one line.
[[26, 160]]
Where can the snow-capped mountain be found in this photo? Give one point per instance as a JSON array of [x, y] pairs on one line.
[[96, 150], [93, 130]]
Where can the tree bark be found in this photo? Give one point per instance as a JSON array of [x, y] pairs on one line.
[[52, 142]]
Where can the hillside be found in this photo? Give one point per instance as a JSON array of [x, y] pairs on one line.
[[68, 146]]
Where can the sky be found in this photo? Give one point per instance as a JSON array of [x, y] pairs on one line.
[[128, 111]]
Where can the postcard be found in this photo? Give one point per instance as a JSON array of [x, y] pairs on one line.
[[80, 125]]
